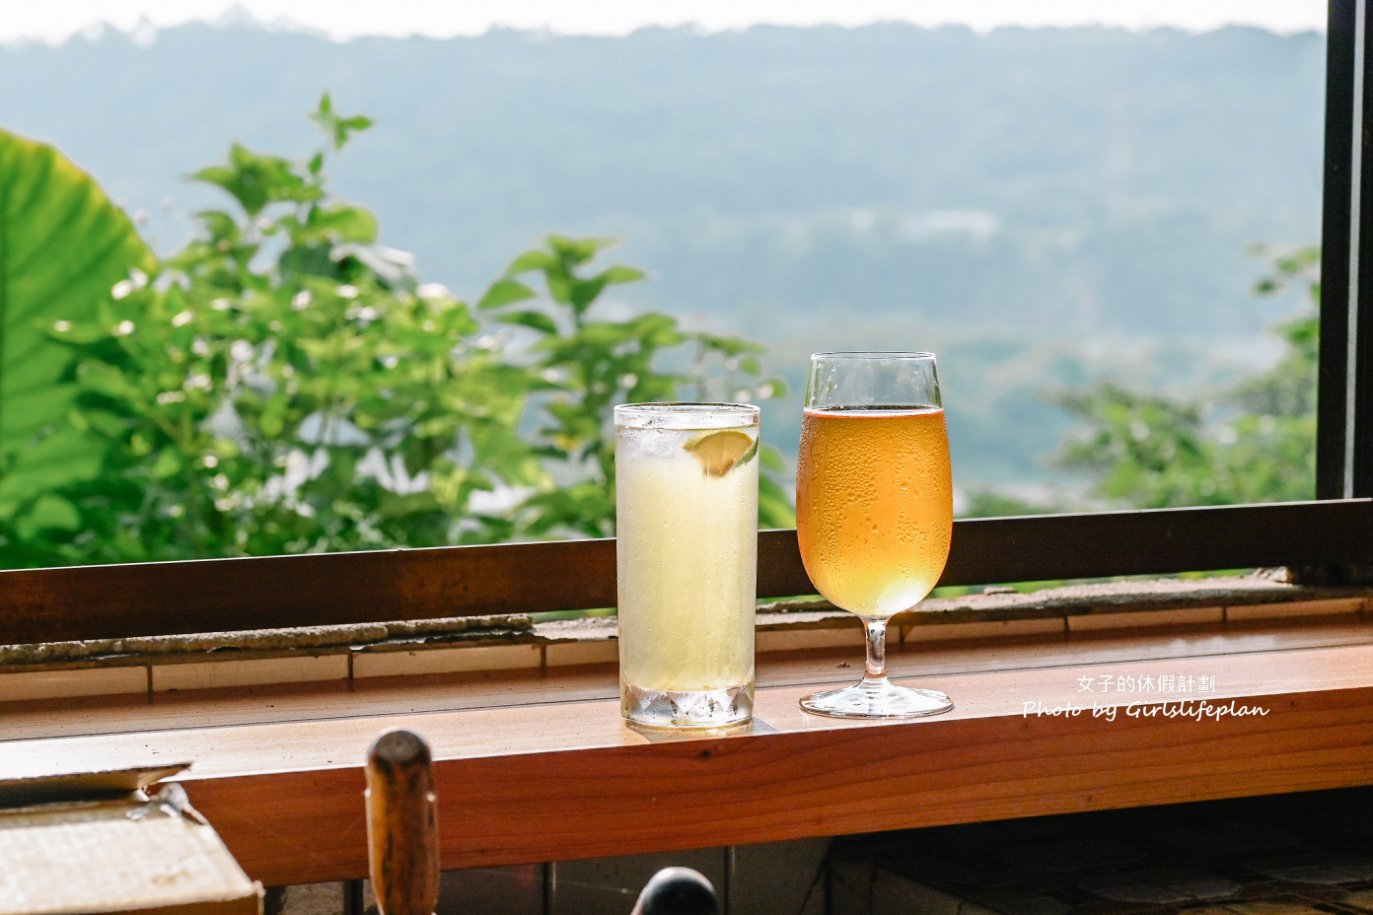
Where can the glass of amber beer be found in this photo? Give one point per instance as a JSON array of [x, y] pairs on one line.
[[874, 508]]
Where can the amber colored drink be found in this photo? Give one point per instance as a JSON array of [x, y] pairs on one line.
[[874, 504]]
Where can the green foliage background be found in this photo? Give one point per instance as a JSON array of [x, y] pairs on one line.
[[1253, 441], [285, 383], [1041, 207]]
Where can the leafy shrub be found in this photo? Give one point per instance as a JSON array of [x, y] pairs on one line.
[[284, 383]]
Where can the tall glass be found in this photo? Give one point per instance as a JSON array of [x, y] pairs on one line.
[[686, 499], [874, 508]]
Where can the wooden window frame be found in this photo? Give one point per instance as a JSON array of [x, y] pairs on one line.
[[1332, 535]]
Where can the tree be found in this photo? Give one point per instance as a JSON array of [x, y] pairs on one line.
[[1253, 442]]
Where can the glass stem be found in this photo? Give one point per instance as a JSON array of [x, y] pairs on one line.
[[876, 628]]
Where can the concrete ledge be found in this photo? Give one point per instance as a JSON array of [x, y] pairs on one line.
[[466, 643]]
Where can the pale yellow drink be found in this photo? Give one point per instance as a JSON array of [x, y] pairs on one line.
[[686, 525], [874, 505]]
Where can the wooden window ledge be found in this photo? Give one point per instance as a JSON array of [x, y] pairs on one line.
[[152, 664], [536, 764]]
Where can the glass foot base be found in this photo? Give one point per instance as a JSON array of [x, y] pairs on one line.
[[704, 708], [877, 699]]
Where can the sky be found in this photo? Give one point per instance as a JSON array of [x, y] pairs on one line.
[[56, 20]]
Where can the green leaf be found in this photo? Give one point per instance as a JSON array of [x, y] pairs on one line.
[[504, 292], [619, 273], [64, 457], [344, 222], [560, 285], [576, 251], [272, 420], [338, 129], [219, 175], [63, 246], [299, 261], [583, 293], [40, 408], [248, 194], [394, 505], [169, 462], [49, 513], [220, 225], [534, 320], [256, 180], [728, 346], [533, 259], [774, 503]]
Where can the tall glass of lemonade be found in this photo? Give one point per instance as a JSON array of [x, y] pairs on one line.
[[874, 508], [686, 497]]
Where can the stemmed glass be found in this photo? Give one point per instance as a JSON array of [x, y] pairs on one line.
[[874, 508]]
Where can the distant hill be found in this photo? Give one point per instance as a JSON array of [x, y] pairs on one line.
[[987, 194]]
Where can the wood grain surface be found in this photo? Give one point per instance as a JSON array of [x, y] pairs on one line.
[[556, 780], [412, 695], [402, 824]]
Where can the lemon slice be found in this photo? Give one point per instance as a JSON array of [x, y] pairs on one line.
[[720, 452]]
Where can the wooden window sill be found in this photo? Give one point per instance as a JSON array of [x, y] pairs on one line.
[[537, 765], [52, 670]]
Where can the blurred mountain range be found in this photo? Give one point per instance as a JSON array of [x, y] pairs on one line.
[[1043, 207]]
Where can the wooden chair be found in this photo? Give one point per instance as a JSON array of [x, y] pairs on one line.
[[403, 845]]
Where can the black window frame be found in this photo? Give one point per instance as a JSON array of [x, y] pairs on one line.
[[1344, 413]]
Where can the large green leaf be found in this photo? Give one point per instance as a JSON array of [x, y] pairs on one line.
[[58, 459], [63, 246]]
